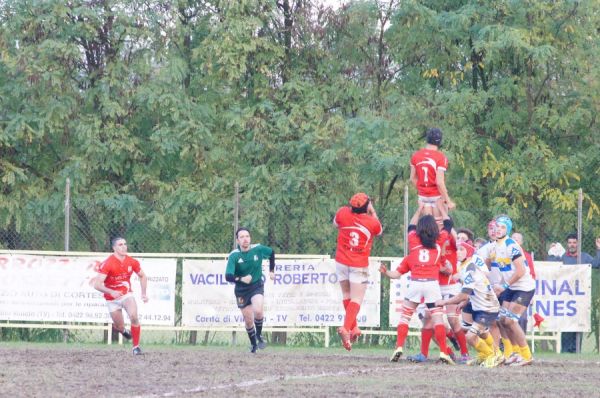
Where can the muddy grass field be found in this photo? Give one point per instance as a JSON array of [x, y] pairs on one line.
[[43, 370]]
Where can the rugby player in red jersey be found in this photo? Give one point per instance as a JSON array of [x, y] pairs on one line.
[[427, 172], [449, 287], [357, 226], [113, 280], [423, 262]]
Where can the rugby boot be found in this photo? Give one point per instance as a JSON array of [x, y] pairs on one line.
[[522, 362], [137, 351], [419, 358], [261, 343], [396, 355], [126, 334], [253, 349], [445, 358], [514, 357]]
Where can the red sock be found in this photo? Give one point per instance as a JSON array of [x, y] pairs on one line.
[[346, 302], [462, 342], [351, 312], [402, 333], [426, 335], [440, 336], [135, 335]]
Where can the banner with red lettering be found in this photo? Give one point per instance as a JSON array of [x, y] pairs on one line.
[[58, 288]]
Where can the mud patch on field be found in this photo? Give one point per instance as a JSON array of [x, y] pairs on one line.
[[111, 371]]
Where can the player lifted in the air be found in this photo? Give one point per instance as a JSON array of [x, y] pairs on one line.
[[427, 172]]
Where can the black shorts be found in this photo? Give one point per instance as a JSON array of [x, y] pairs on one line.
[[244, 293], [518, 296]]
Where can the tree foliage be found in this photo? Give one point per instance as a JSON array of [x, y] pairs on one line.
[[155, 109]]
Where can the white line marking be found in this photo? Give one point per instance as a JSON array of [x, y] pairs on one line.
[[267, 380]]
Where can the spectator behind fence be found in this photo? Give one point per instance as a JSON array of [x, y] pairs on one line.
[[571, 341], [570, 256]]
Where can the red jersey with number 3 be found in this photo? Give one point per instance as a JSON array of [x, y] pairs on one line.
[[427, 163], [355, 237], [118, 274], [423, 262]]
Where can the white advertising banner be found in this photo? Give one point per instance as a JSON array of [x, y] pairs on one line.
[[303, 293], [562, 297], [49, 289]]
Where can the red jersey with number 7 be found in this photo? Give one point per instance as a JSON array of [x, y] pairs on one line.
[[423, 262], [118, 274], [427, 163], [355, 237]]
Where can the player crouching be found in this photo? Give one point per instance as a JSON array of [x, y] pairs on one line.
[[484, 305]]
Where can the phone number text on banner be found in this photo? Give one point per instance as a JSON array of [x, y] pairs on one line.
[[59, 289], [303, 293]]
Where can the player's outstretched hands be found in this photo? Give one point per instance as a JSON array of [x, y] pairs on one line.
[[246, 279], [598, 243], [272, 275], [144, 298], [383, 269], [440, 303]]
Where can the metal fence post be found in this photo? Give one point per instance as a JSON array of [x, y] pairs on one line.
[[236, 212], [236, 225], [579, 335], [65, 332], [67, 213], [579, 223], [405, 233]]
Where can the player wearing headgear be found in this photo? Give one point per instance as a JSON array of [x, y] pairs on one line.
[[427, 172], [423, 262], [487, 253], [357, 226], [449, 287], [244, 268], [516, 291], [482, 303]]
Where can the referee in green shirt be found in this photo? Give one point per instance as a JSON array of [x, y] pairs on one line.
[[244, 267]]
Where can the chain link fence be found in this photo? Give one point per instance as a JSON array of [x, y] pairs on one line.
[[79, 225]]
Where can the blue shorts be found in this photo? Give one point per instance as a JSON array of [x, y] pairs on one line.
[[468, 309], [484, 318], [517, 296]]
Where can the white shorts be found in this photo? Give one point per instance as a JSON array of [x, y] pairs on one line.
[[117, 304], [450, 290], [429, 291], [352, 274], [430, 201]]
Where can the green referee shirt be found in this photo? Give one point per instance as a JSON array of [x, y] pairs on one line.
[[242, 263]]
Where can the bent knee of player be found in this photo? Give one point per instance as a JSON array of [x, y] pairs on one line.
[[472, 338]]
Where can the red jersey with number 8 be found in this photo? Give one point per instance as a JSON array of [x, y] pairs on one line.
[[118, 274], [422, 262], [355, 237], [427, 163]]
